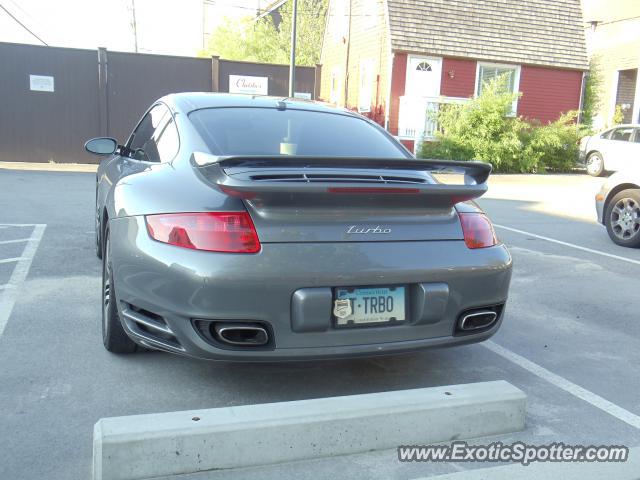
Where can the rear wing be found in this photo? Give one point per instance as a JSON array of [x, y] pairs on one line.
[[252, 177]]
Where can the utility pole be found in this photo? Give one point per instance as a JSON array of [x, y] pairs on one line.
[[292, 62], [134, 25], [346, 67]]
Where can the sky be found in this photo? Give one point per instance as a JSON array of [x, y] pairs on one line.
[[173, 27]]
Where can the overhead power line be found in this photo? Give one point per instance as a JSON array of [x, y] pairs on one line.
[[619, 20], [310, 13], [22, 24]]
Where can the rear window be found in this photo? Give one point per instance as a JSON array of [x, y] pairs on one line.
[[269, 131]]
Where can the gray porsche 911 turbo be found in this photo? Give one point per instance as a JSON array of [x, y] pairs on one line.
[[259, 228]]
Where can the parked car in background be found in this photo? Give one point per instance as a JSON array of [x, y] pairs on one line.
[[611, 150], [618, 206], [260, 228]]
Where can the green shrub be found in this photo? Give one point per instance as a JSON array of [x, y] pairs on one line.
[[618, 115], [483, 129]]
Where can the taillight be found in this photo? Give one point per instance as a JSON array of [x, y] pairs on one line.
[[231, 232], [478, 230]]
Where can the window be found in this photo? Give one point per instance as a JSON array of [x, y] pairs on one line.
[[167, 140], [339, 20], [366, 86], [606, 134], [226, 131], [622, 134], [155, 139], [336, 85], [369, 12], [490, 71], [636, 138], [423, 67]]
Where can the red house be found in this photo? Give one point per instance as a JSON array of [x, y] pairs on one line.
[[395, 60]]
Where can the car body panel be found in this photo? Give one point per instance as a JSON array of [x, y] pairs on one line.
[[181, 285], [617, 154], [628, 178], [306, 251]]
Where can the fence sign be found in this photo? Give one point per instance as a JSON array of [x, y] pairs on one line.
[[41, 83], [247, 84]]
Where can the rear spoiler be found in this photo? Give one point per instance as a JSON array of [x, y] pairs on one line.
[[236, 176], [474, 172]]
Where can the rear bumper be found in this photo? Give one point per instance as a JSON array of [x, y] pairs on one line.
[[285, 287], [582, 157]]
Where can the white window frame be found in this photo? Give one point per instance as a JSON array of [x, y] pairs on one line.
[[365, 88], [516, 80], [336, 80]]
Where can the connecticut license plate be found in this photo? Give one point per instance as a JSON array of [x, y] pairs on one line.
[[369, 305]]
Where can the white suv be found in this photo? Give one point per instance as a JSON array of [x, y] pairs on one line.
[[611, 150]]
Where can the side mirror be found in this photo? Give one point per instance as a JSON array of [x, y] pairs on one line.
[[101, 146]]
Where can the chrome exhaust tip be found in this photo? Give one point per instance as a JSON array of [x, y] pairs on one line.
[[477, 320], [239, 334]]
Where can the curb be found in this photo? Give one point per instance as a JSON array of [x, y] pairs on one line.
[[50, 167], [146, 446]]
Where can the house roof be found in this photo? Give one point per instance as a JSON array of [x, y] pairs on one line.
[[538, 32]]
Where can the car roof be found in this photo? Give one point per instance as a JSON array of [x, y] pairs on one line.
[[190, 101], [623, 125]]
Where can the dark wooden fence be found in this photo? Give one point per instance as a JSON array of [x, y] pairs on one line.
[[88, 93]]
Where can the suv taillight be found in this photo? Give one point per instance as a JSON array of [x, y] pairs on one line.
[[478, 230], [231, 232]]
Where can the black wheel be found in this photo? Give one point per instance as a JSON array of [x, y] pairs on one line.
[[595, 164], [622, 218], [114, 337]]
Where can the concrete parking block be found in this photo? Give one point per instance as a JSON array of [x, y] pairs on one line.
[[147, 446]]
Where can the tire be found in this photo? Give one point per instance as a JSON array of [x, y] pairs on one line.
[[622, 218], [595, 164], [114, 337], [98, 239]]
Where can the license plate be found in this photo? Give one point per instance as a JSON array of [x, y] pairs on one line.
[[369, 305]]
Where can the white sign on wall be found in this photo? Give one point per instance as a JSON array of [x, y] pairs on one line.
[[303, 95], [41, 83], [247, 84]]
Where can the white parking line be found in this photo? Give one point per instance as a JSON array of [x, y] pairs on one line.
[[566, 385], [567, 244], [17, 240], [10, 260], [20, 271], [555, 379]]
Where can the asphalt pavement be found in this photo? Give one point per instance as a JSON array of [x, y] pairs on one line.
[[569, 338]]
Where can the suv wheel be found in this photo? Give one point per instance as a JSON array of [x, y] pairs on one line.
[[595, 164], [622, 218]]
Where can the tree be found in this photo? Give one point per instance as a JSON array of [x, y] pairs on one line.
[[592, 93], [263, 41]]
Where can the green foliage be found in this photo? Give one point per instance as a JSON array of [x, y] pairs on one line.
[[483, 129], [592, 93], [618, 116], [261, 41], [553, 146]]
